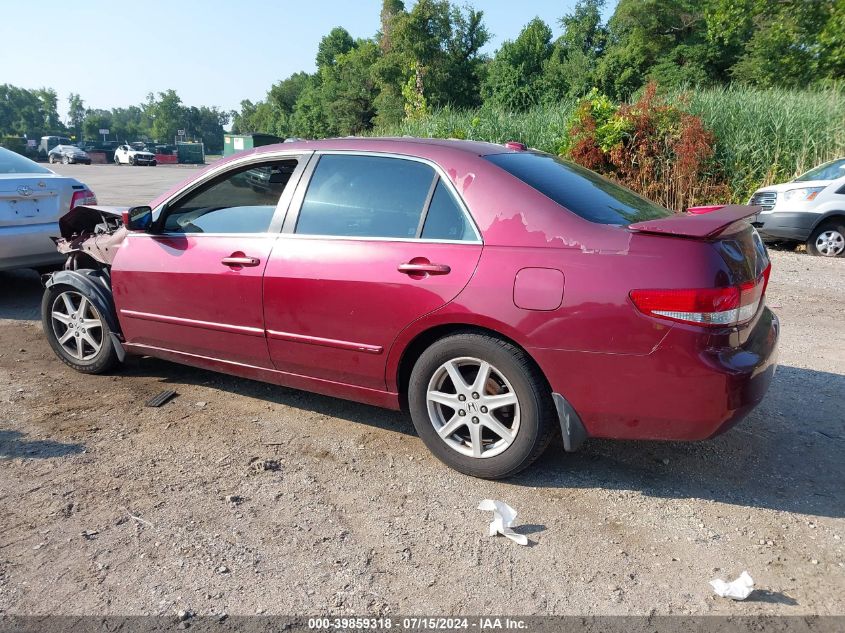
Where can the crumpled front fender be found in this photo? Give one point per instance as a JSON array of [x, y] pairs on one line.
[[94, 285]]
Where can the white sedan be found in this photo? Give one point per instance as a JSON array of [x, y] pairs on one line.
[[127, 155], [32, 199]]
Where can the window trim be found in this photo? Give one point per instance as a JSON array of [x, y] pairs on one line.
[[303, 159], [291, 218]]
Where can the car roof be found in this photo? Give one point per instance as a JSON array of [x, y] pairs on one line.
[[399, 144]]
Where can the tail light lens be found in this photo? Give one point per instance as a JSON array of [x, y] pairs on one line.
[[83, 196], [715, 307]]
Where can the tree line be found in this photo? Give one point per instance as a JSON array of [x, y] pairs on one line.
[[429, 57], [34, 113]]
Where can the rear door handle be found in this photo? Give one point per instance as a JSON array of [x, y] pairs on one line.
[[419, 269], [242, 260]]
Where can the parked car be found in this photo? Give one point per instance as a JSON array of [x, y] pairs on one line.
[[32, 199], [127, 155], [49, 142], [809, 209], [501, 295], [68, 154]]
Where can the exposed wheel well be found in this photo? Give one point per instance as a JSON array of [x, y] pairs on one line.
[[838, 216], [424, 339]]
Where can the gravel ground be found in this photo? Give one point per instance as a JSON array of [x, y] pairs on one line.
[[246, 498]]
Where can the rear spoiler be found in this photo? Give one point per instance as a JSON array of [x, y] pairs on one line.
[[701, 226]]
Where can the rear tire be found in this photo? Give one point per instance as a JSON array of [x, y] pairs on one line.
[[466, 425], [76, 331], [827, 240]]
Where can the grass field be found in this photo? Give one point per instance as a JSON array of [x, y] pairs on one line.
[[762, 136]]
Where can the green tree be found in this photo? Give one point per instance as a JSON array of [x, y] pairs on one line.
[[168, 115], [337, 42], [570, 71], [665, 40], [792, 42], [515, 78], [50, 109], [75, 114]]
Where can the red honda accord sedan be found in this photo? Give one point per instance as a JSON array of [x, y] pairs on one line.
[[501, 295]]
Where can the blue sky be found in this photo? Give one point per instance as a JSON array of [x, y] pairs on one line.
[[212, 52]]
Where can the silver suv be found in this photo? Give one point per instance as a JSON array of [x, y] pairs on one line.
[[809, 209]]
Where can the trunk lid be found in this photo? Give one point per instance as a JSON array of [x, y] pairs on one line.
[[28, 200]]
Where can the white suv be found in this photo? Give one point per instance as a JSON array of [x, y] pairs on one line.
[[809, 209], [127, 155]]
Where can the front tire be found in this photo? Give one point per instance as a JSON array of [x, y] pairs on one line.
[[827, 240], [76, 331], [65, 160], [481, 405]]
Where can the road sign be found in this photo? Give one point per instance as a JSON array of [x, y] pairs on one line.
[[180, 132], [104, 130]]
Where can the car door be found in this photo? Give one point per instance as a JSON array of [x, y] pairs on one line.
[[372, 243], [193, 285]]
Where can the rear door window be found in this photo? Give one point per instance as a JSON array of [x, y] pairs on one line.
[[581, 191], [365, 196], [445, 220]]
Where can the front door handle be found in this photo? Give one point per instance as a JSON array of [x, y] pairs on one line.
[[412, 268], [240, 260]]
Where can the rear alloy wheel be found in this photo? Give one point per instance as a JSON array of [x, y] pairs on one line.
[[76, 331], [828, 240], [480, 405], [51, 159], [132, 161]]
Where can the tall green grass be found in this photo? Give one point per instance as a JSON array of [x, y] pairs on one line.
[[767, 136], [762, 136]]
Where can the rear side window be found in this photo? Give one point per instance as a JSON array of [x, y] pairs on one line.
[[365, 196], [445, 220], [585, 193]]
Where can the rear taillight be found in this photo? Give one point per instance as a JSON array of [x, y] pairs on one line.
[[83, 196], [715, 307]]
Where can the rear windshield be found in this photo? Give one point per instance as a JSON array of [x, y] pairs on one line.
[[12, 163], [580, 190]]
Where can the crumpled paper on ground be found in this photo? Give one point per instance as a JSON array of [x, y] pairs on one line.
[[503, 520], [739, 589]]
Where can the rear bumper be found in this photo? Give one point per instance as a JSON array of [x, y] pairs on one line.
[[683, 390], [785, 225], [29, 246]]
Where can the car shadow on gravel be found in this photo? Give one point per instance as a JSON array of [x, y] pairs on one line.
[[173, 374], [786, 455], [20, 295], [14, 444]]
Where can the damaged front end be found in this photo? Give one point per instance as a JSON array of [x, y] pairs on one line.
[[90, 236]]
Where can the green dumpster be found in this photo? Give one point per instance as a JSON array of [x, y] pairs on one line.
[[233, 143]]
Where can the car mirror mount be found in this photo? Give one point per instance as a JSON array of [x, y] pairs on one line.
[[138, 219]]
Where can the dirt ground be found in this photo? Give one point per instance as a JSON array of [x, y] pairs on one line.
[[245, 498]]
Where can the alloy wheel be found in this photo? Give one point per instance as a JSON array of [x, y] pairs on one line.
[[830, 243], [473, 407], [77, 326]]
